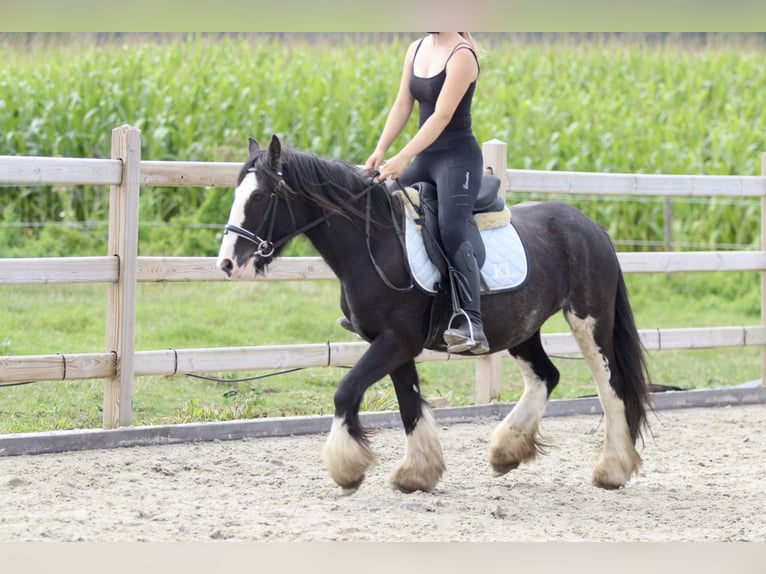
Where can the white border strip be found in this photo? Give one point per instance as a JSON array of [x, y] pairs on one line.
[[89, 439]]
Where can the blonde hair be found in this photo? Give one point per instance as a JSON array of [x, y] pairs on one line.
[[468, 38]]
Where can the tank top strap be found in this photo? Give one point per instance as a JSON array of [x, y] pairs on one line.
[[415, 55], [460, 46]]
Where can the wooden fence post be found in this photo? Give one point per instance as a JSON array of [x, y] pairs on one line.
[[121, 295], [763, 273], [488, 368]]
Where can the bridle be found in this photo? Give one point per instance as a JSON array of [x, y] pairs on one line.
[[265, 248]]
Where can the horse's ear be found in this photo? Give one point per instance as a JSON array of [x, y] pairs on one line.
[[254, 147], [275, 151]]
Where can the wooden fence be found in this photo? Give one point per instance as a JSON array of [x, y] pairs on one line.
[[121, 269]]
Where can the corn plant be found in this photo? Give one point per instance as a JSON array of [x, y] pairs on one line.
[[604, 106]]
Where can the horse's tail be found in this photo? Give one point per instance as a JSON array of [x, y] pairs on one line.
[[633, 378]]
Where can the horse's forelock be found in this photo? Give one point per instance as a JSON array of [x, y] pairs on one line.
[[268, 179], [247, 166]]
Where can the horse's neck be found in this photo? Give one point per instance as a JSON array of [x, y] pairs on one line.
[[348, 251], [341, 244]]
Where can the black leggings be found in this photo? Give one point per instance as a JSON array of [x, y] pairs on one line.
[[454, 164]]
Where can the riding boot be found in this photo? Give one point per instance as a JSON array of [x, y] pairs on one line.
[[345, 322], [468, 334]]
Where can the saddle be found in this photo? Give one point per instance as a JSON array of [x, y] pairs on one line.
[[499, 249], [489, 211]]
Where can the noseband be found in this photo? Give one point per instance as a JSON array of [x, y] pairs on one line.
[[263, 247]]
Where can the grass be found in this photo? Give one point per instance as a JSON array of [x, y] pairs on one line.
[[70, 319], [601, 106]]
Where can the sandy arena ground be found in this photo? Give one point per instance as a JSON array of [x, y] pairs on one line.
[[703, 480]]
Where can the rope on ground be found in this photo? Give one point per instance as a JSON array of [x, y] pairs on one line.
[[243, 379]]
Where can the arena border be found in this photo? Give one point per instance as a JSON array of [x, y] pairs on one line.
[[94, 439]]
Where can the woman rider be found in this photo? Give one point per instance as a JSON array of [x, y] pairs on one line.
[[440, 73]]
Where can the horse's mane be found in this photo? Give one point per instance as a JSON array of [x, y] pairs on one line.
[[332, 185]]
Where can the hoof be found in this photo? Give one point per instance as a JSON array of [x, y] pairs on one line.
[[403, 489], [349, 474], [408, 480], [423, 463], [352, 488], [612, 472], [608, 481], [601, 483], [509, 447], [500, 470], [346, 458]]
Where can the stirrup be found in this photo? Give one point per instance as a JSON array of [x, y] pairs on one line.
[[457, 341]]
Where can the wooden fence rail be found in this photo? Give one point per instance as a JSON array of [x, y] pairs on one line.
[[169, 362], [30, 271], [121, 269]]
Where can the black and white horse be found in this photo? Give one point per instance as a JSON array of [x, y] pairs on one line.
[[572, 267]]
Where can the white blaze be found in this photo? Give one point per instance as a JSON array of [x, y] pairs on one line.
[[237, 217]]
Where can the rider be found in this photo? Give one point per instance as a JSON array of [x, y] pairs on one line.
[[440, 72]]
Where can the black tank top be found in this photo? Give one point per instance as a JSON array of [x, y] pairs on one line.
[[426, 91]]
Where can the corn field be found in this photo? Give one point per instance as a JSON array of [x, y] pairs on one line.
[[594, 106]]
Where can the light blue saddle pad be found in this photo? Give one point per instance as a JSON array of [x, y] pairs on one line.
[[504, 269]]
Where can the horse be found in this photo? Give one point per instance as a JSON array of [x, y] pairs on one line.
[[350, 219]]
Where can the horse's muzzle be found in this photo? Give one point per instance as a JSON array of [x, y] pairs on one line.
[[227, 266]]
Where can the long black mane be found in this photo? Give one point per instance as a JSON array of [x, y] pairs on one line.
[[332, 185]]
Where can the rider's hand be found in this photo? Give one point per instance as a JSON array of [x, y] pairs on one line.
[[373, 162], [394, 167]]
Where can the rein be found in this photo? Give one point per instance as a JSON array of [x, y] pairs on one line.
[[400, 237]]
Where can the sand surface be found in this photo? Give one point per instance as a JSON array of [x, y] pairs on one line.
[[703, 480]]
